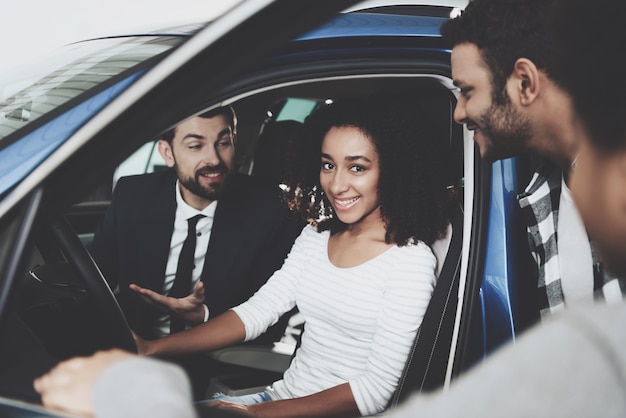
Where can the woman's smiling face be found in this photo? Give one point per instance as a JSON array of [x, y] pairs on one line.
[[349, 175]]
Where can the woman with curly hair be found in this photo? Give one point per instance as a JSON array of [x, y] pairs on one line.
[[362, 273]]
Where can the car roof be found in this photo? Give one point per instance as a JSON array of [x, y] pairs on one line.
[[369, 4], [370, 18], [376, 24]]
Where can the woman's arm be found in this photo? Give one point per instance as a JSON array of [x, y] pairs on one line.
[[334, 402], [221, 331], [253, 317]]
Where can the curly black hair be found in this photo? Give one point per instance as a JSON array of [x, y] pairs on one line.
[[504, 31], [411, 188]]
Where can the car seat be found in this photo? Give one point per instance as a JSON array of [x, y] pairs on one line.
[[270, 151]]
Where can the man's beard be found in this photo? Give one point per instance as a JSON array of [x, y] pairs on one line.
[[193, 184], [507, 129]]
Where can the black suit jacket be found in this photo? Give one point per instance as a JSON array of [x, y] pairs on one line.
[[251, 235]]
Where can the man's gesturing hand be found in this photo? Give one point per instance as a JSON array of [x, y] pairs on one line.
[[190, 308]]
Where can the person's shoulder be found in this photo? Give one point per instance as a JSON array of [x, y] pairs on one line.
[[138, 189], [546, 176], [311, 240], [415, 247], [310, 231], [416, 253], [414, 268], [156, 179]]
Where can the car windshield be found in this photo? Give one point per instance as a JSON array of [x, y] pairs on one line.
[[29, 93]]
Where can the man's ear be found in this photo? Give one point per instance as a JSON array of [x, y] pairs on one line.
[[526, 81], [165, 149]]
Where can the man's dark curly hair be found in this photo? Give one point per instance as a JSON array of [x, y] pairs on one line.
[[411, 188], [504, 31], [227, 111]]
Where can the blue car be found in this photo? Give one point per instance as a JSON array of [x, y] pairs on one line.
[[71, 126]]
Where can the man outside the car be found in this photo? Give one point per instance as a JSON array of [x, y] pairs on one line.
[[502, 61]]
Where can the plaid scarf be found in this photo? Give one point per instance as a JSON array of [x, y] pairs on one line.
[[540, 209]]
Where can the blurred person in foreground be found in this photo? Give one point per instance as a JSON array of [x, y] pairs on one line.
[[574, 365]]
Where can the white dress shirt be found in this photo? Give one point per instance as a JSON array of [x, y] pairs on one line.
[[574, 252], [203, 234]]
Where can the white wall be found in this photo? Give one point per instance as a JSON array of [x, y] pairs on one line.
[[34, 27]]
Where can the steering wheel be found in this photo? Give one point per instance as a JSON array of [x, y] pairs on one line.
[[95, 284]]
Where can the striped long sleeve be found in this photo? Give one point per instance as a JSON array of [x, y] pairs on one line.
[[360, 321]]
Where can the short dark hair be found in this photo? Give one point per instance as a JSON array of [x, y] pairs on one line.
[[227, 111], [411, 186], [590, 38], [504, 31]]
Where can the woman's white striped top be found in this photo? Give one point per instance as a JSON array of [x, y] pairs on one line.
[[360, 322]]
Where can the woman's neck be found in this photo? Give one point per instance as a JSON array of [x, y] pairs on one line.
[[358, 243], [371, 227]]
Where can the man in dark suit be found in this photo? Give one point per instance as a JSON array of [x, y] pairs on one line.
[[243, 235]]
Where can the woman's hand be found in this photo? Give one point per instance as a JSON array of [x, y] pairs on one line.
[[142, 345], [190, 308], [237, 408], [219, 332]]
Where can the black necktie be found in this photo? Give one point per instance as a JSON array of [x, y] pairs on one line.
[[182, 282]]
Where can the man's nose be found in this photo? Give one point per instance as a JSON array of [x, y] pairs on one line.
[[460, 116], [210, 156]]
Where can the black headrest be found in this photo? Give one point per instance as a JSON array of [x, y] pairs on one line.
[[271, 149]]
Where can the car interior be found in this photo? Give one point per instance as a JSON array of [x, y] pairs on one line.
[[63, 307]]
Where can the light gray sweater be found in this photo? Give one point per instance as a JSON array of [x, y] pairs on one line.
[[574, 365]]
